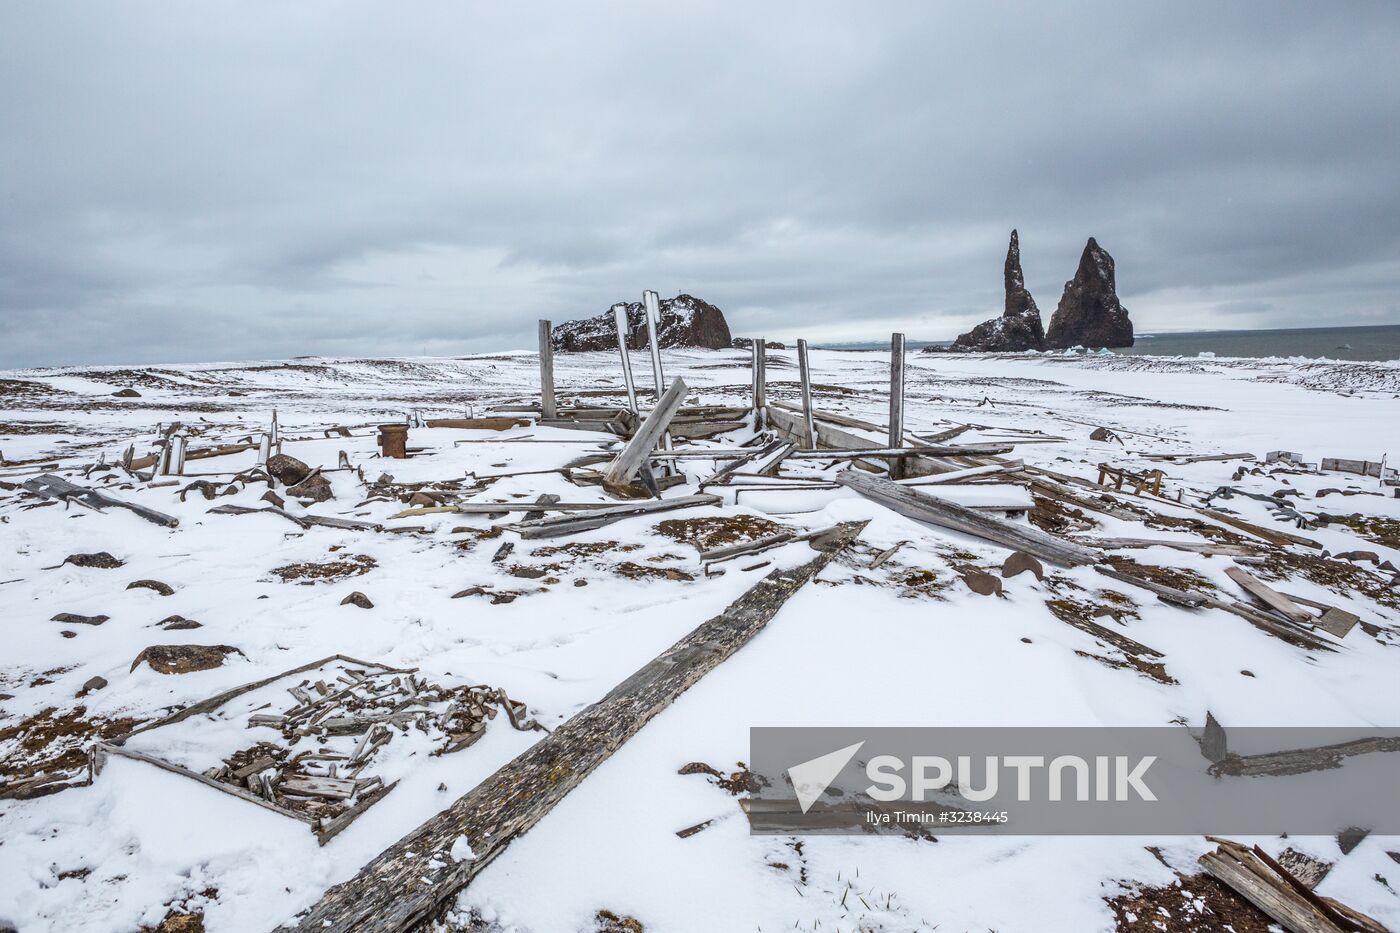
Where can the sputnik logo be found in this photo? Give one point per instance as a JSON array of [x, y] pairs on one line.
[[810, 779]]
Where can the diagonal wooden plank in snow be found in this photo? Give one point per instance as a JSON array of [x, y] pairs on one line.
[[911, 504], [407, 882], [625, 466]]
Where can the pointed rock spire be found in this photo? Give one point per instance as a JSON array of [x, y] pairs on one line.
[[1089, 313], [1019, 326]]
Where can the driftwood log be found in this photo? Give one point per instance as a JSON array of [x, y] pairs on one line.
[[407, 882]]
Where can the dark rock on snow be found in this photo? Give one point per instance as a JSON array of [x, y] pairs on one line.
[[68, 618], [184, 659], [275, 499], [357, 599], [315, 487], [686, 321], [1089, 314], [93, 683], [1019, 326], [101, 560], [127, 393], [287, 470], [746, 343], [164, 589], [178, 624]]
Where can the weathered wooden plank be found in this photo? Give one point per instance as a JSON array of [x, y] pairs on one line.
[[625, 466], [1195, 547], [305, 521], [896, 401], [547, 406], [804, 371], [51, 486], [970, 450], [911, 504], [557, 525], [406, 882], [1268, 595], [479, 424]]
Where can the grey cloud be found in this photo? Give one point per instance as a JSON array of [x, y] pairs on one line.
[[204, 181]]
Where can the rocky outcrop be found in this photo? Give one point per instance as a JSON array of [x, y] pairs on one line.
[[1019, 326], [746, 343], [686, 321], [1090, 314]]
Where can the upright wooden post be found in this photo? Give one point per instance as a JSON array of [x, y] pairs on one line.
[[760, 382], [896, 401], [620, 318], [805, 374], [547, 409], [651, 307]]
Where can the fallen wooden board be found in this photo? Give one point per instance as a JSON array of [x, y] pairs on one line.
[[946, 514], [305, 521], [51, 486], [629, 460], [407, 882], [1268, 595], [1195, 547], [479, 424], [557, 525]]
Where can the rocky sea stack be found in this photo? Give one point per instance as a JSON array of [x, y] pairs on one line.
[[1090, 314], [1019, 326], [686, 321]]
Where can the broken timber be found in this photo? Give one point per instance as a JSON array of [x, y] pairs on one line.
[[911, 504], [51, 486], [1266, 884], [1268, 595], [557, 525], [405, 883], [625, 466]]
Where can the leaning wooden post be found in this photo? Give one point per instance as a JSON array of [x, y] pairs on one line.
[[620, 318], [896, 401], [403, 885], [805, 374], [760, 383], [651, 307], [625, 466], [547, 409]]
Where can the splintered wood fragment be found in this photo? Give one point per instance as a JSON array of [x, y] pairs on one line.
[[911, 504], [558, 525], [55, 487], [1268, 595], [1269, 886], [629, 460], [407, 882]]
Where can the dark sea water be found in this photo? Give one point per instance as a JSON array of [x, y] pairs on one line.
[[1338, 343], [1381, 342]]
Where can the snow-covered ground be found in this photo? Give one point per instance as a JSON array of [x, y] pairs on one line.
[[907, 644]]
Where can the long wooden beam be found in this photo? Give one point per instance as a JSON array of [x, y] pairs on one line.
[[407, 882], [946, 514], [557, 525]]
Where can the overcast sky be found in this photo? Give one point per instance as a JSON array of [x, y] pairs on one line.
[[197, 181]]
